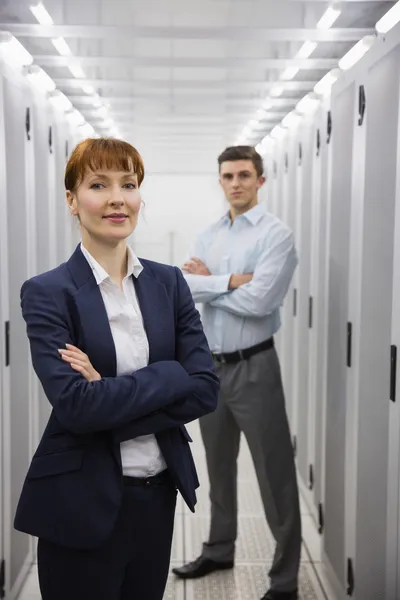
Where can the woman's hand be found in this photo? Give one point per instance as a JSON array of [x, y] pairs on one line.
[[80, 362]]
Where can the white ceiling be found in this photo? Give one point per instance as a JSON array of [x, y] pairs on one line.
[[183, 77]]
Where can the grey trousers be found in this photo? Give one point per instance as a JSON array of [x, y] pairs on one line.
[[252, 401]]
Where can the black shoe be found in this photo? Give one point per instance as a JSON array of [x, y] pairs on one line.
[[271, 595], [200, 567]]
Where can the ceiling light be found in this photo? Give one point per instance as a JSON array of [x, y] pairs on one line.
[[261, 114], [289, 73], [86, 130], [13, 52], [389, 20], [306, 50], [276, 91], [41, 14], [107, 123], [39, 78], [253, 123], [328, 18], [278, 132], [101, 112], [61, 46], [60, 101], [307, 104], [324, 85], [291, 120], [77, 71], [75, 117], [267, 104], [356, 52]]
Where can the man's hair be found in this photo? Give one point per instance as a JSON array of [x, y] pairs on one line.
[[242, 153]]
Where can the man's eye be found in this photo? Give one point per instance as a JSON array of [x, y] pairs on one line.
[[131, 186]]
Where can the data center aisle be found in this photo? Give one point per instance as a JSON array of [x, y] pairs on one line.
[[255, 546]]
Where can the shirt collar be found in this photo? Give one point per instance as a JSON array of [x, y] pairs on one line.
[[135, 267], [253, 215]]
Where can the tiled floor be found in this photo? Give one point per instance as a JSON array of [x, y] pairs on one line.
[[248, 581]]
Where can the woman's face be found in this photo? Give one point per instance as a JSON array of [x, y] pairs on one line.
[[107, 204]]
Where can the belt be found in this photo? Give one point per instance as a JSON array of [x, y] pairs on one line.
[[160, 479], [234, 357]]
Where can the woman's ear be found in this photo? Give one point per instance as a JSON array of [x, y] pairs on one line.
[[71, 201]]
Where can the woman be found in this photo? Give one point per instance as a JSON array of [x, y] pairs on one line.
[[119, 349]]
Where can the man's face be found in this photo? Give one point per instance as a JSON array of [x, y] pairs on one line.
[[240, 182]]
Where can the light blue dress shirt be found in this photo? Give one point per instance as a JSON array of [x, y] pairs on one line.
[[256, 242]]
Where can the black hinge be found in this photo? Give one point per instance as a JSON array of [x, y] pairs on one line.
[[320, 518], [310, 312], [51, 139], [300, 153], [275, 169], [286, 162], [66, 149], [295, 303], [2, 578], [329, 127], [294, 444], [393, 372], [318, 142], [350, 577], [361, 104], [7, 342], [349, 341], [310, 477], [28, 123]]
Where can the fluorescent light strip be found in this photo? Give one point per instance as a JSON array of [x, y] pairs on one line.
[[328, 18], [324, 85], [306, 50], [389, 20], [289, 73], [77, 71], [356, 52], [41, 14], [61, 46]]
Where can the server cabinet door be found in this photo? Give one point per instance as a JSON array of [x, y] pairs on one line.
[[289, 307], [18, 137], [301, 330], [338, 283], [375, 320]]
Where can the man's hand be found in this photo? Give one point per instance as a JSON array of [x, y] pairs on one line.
[[80, 362], [237, 280], [195, 267]]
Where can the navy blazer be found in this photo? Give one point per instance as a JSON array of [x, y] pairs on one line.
[[73, 489]]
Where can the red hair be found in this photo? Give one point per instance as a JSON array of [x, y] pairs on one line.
[[101, 153]]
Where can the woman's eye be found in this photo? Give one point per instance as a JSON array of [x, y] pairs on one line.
[[96, 186]]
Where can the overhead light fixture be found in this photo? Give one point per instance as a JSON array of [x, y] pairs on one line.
[[276, 91], [306, 50], [61, 46], [289, 73], [389, 20], [323, 86], [291, 120], [88, 89], [41, 15], [278, 132], [328, 18], [307, 105], [77, 71], [75, 117], [101, 112], [86, 130], [13, 52], [107, 124], [60, 101], [356, 52], [267, 104], [261, 114], [39, 78]]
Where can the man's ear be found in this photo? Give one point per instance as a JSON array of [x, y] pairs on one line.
[[261, 181]]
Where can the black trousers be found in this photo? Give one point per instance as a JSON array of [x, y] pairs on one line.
[[132, 565]]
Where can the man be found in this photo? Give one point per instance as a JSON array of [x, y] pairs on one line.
[[241, 270]]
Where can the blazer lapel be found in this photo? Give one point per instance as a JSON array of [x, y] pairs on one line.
[[152, 297], [98, 340]]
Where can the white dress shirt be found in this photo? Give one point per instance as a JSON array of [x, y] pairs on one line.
[[141, 457]]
